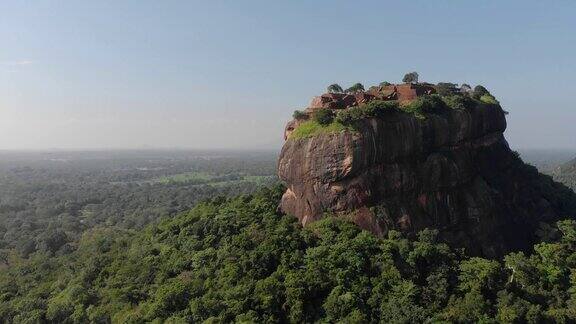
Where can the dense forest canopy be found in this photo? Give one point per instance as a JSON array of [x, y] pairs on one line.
[[48, 199], [238, 260], [76, 248]]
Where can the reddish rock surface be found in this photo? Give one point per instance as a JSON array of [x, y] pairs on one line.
[[336, 100], [452, 171], [400, 92]]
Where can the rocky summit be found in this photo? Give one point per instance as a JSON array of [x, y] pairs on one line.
[[446, 168]]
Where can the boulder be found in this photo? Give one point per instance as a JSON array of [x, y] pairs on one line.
[[452, 171]]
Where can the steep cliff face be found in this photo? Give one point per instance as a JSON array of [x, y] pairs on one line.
[[452, 170]]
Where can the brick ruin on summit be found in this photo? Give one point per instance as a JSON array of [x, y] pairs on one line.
[[402, 93], [399, 92]]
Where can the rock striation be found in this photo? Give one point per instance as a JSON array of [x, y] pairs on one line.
[[452, 170]]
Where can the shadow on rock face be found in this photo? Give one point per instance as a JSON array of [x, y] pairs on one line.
[[452, 171]]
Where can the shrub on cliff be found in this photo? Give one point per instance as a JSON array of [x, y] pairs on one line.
[[458, 101], [372, 109], [378, 108], [323, 116], [298, 114], [479, 91], [424, 104], [446, 88], [418, 107], [489, 99], [350, 115]]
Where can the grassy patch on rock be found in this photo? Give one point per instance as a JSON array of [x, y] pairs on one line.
[[313, 128]]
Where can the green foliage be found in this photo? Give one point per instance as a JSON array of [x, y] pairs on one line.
[[489, 99], [424, 104], [385, 83], [298, 114], [335, 88], [419, 107], [568, 229], [479, 91], [372, 109], [459, 102], [47, 203], [355, 88], [312, 128], [323, 116], [477, 274], [411, 77], [446, 88], [448, 97], [237, 260]]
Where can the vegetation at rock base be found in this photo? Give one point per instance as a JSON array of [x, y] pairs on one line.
[[238, 260], [565, 173], [373, 109]]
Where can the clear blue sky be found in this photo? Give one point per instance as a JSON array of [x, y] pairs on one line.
[[228, 74]]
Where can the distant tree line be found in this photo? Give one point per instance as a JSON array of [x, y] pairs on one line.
[[46, 207]]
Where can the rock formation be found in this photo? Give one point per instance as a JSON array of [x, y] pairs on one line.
[[452, 170], [400, 92]]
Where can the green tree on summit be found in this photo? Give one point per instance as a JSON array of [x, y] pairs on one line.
[[335, 88], [355, 88], [446, 88], [484, 95], [465, 88], [411, 77], [479, 91]]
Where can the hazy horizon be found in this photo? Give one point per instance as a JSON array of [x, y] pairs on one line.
[[228, 75]]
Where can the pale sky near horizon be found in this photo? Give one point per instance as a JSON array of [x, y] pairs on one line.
[[229, 74]]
